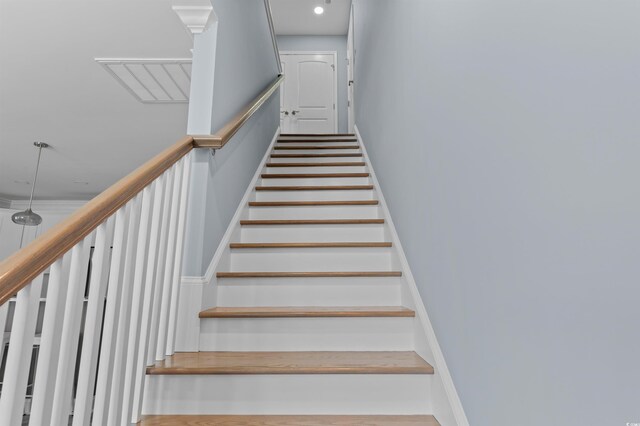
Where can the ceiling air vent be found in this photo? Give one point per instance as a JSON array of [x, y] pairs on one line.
[[152, 81]]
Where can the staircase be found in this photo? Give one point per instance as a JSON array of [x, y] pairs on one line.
[[308, 326]]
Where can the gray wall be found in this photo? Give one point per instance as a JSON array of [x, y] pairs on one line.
[[506, 139], [334, 43], [245, 64]]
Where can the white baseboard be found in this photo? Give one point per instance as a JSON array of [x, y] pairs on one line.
[[452, 398], [198, 292]]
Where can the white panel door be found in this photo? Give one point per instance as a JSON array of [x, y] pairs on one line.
[[308, 96]]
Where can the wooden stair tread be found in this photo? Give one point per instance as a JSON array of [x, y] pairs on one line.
[[312, 175], [310, 245], [359, 154], [307, 312], [407, 362], [313, 203], [310, 147], [316, 188], [325, 274], [338, 164], [313, 222], [290, 420]]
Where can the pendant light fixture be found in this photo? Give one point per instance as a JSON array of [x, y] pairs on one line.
[[28, 217]]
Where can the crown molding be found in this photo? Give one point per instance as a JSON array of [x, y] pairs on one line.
[[195, 18], [5, 203], [46, 205]]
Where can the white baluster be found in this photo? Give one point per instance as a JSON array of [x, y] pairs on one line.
[[70, 332], [49, 352], [117, 380], [177, 268], [168, 273], [4, 313], [160, 269], [110, 327], [93, 322], [149, 297], [14, 385], [138, 283]]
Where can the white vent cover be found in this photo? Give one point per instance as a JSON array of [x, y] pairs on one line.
[[152, 80]]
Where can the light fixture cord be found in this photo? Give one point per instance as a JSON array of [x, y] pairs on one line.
[[35, 177], [33, 187]]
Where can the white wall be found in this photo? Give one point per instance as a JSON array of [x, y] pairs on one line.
[[325, 43], [244, 66], [506, 139]]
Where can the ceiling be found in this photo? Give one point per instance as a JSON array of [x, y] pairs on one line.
[[53, 90], [296, 17]]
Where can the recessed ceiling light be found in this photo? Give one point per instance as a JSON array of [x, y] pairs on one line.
[[319, 10]]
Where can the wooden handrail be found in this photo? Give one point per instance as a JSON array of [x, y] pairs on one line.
[[22, 267], [231, 128]]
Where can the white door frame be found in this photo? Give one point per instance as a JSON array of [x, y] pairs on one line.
[[335, 76], [351, 64]]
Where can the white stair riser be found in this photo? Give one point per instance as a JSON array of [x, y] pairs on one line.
[[307, 334], [311, 259], [312, 233], [314, 159], [289, 394], [323, 169], [323, 195], [309, 292], [320, 137], [315, 181], [315, 212]]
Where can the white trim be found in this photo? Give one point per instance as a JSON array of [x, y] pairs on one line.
[[188, 328], [335, 76], [196, 19], [5, 203], [48, 205], [421, 312], [226, 238]]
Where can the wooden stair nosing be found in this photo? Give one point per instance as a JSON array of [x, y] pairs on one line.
[[313, 203], [311, 245], [312, 175], [288, 420], [312, 222], [316, 188], [323, 274], [336, 155], [303, 362], [316, 147], [338, 164]]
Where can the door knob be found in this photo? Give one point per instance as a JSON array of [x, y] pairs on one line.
[[285, 112], [294, 112]]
